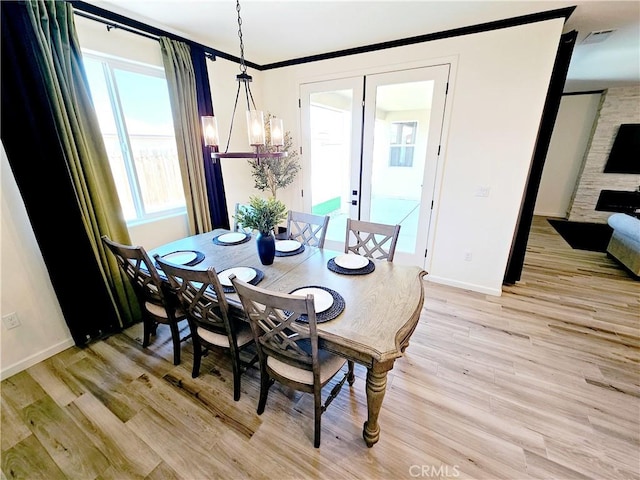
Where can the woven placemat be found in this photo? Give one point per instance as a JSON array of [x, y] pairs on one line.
[[191, 263], [329, 314], [334, 267], [247, 237], [254, 281], [297, 251]]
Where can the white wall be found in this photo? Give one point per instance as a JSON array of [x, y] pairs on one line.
[[496, 96], [567, 150], [25, 288], [497, 92]]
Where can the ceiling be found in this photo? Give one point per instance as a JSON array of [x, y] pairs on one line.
[[275, 31]]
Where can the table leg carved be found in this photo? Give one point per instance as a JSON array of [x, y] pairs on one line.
[[376, 387]]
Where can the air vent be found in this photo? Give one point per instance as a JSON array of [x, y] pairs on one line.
[[597, 37]]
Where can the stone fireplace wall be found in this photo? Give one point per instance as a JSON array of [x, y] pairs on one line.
[[619, 105]]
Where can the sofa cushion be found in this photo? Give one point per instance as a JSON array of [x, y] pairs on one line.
[[626, 225]]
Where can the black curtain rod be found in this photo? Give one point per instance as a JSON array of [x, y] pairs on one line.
[[115, 20], [111, 25]]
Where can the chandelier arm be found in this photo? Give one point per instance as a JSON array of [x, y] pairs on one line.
[[247, 94], [250, 95], [233, 116]]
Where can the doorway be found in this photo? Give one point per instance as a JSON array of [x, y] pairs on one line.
[[371, 148]]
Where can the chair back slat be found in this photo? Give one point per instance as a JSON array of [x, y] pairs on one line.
[[201, 294], [372, 240], [273, 317], [307, 228], [139, 268]]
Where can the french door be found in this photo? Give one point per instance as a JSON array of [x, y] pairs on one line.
[[371, 152]]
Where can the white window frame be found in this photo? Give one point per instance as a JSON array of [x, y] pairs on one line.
[[109, 63]]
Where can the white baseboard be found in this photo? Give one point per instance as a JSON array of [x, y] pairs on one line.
[[464, 285], [35, 358]]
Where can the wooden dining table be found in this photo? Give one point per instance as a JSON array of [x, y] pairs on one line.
[[382, 308]]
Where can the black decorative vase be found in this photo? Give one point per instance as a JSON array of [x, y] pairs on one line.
[[266, 243]]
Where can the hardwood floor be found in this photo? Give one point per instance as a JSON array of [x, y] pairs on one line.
[[542, 382]]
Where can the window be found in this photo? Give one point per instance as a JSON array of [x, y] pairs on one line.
[[134, 112], [402, 143]]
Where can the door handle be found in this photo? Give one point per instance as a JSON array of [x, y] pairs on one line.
[[354, 202], [355, 192]]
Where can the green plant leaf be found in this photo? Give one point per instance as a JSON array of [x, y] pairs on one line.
[[261, 214]]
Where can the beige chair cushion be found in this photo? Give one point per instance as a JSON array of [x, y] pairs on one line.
[[329, 366], [159, 311], [244, 335]]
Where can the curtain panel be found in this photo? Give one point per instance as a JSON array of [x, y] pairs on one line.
[[180, 75], [213, 169], [62, 169]]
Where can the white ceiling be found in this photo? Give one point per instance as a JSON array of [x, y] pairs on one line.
[[276, 31]]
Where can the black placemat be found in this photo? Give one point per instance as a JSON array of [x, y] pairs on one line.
[[254, 281], [329, 314], [297, 251], [191, 263], [247, 237], [334, 267]]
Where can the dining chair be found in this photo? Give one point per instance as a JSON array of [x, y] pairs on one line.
[[205, 303], [307, 228], [372, 240], [288, 349], [237, 227], [157, 303]]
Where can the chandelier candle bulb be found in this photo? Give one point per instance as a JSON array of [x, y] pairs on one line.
[[277, 132], [255, 122], [210, 131]]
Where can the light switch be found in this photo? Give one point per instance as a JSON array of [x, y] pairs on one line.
[[482, 191]]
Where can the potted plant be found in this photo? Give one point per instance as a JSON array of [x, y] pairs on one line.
[[273, 174], [263, 215]]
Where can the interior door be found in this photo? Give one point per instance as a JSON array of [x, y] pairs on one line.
[[403, 113], [332, 138], [371, 152]]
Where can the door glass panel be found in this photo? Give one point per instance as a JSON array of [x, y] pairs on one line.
[[401, 131], [330, 134]]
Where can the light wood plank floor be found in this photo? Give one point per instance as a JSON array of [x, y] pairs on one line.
[[542, 382]]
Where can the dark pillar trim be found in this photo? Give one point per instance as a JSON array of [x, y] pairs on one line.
[[549, 115]]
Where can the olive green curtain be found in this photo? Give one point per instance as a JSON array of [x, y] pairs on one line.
[[184, 106], [85, 154]]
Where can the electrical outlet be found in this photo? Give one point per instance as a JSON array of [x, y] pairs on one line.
[[468, 256], [11, 320]]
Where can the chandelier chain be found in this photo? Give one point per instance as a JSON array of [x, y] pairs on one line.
[[243, 67]]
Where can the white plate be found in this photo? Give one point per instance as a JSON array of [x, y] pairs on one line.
[[180, 258], [351, 261], [322, 299], [287, 245], [232, 237], [246, 274]]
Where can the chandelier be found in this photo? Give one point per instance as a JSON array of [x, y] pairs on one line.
[[255, 119]]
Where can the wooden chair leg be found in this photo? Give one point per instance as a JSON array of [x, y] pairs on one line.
[[235, 361], [147, 326], [197, 356], [175, 337], [265, 384], [351, 377], [317, 404]]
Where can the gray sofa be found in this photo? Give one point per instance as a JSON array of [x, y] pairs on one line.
[[624, 245]]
